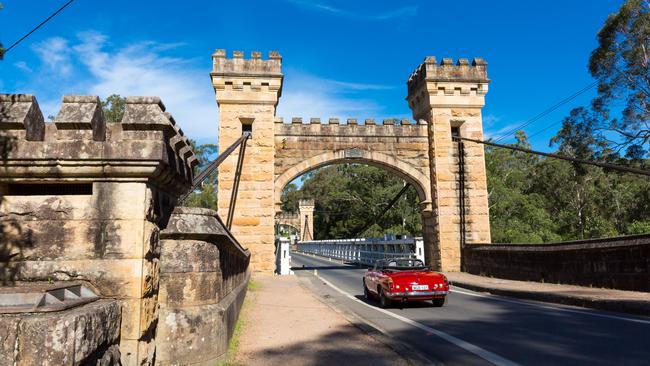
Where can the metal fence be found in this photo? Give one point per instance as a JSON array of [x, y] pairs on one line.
[[364, 251]]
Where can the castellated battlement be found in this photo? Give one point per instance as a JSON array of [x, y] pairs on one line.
[[239, 65], [298, 121], [298, 126], [79, 145], [238, 80], [446, 72]]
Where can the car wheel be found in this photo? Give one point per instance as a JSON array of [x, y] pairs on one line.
[[384, 302], [438, 303], [366, 292]]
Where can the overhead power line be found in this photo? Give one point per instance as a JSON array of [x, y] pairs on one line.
[[616, 167], [547, 111], [38, 26]]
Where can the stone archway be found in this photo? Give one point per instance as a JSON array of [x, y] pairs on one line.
[[445, 98], [418, 179]]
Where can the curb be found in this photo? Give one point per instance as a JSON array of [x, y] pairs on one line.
[[408, 353], [620, 306]]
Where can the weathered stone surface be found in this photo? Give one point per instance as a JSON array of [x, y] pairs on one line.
[[198, 334], [182, 256], [82, 335], [21, 112], [202, 285]]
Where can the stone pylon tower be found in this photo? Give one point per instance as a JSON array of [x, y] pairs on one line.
[[306, 212], [448, 97], [247, 91]]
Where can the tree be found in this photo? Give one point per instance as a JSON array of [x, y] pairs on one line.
[[206, 195], [621, 65], [113, 108], [348, 195]]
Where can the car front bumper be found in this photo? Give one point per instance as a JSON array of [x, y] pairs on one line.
[[416, 295]]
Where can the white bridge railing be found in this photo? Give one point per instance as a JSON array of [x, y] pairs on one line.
[[364, 251]]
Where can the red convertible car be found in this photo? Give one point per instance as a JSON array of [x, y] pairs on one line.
[[404, 279]]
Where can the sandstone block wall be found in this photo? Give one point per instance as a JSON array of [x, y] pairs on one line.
[[621, 263], [85, 200], [401, 149], [203, 282], [87, 335]]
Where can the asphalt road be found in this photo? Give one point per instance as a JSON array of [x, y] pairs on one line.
[[479, 329]]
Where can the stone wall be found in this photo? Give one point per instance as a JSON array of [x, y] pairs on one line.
[[85, 200], [621, 263], [203, 280], [87, 335]]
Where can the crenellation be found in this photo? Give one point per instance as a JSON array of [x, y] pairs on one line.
[[369, 122], [20, 112], [81, 112], [314, 120], [352, 121], [239, 65], [333, 121], [296, 120], [448, 72]]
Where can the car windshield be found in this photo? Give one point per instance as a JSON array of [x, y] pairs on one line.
[[403, 264]]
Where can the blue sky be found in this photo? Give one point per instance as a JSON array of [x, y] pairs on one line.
[[341, 58]]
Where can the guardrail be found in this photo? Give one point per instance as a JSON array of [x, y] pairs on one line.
[[364, 251]]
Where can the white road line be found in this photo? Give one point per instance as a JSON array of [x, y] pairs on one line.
[[551, 307], [554, 307], [480, 352]]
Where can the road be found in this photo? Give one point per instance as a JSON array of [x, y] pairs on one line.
[[479, 329]]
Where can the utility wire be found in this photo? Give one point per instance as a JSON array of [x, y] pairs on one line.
[[616, 167], [547, 111], [38, 26]]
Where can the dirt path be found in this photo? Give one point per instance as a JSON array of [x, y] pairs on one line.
[[284, 324]]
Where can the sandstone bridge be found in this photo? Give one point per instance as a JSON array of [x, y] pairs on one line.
[[101, 265]]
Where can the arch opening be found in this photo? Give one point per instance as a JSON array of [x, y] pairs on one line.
[[352, 193]]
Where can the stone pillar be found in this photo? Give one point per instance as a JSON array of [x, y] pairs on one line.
[[449, 98], [247, 93], [306, 212]]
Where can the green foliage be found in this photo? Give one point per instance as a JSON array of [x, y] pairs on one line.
[[640, 227], [206, 195], [347, 196], [536, 200], [621, 64], [113, 108]]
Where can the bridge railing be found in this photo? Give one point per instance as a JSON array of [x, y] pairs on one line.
[[364, 251]]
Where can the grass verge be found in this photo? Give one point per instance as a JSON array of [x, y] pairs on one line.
[[233, 345]]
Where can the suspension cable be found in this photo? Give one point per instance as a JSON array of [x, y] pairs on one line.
[[561, 157]]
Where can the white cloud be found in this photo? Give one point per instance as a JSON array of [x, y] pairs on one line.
[[91, 65], [407, 11], [22, 65], [54, 53], [499, 132], [307, 96], [137, 69]]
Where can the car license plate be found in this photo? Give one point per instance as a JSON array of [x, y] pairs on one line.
[[420, 287]]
